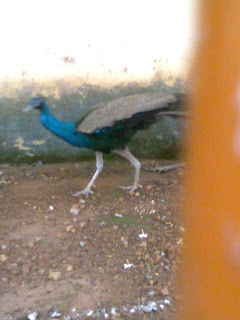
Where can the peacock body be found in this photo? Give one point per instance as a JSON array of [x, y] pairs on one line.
[[108, 127]]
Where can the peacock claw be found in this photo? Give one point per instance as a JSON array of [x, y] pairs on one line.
[[131, 188], [84, 192]]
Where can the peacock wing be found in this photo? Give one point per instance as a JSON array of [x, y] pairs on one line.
[[85, 111], [105, 114]]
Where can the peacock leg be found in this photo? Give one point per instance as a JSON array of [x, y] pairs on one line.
[[99, 165], [137, 165]]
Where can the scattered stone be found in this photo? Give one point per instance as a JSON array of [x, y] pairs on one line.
[[119, 215], [4, 247], [51, 208], [54, 275], [167, 301], [101, 224], [165, 291], [41, 272], [143, 235], [120, 199], [74, 210], [82, 244], [33, 316], [56, 315], [3, 258], [149, 187], [150, 307], [82, 201], [69, 268], [124, 241], [128, 265], [151, 293], [82, 224]]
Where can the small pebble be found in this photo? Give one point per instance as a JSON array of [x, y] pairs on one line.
[[125, 243], [167, 301], [128, 265], [69, 268], [82, 224], [151, 293], [3, 258], [165, 291], [74, 210], [119, 215], [33, 316], [82, 244], [41, 272], [55, 275]]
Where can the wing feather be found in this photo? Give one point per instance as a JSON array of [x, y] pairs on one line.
[[105, 115]]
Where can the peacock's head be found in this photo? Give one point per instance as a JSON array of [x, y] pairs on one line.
[[34, 103]]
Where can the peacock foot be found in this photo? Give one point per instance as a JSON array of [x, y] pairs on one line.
[[84, 192], [131, 188]]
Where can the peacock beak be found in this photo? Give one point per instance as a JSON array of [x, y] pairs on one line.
[[27, 108]]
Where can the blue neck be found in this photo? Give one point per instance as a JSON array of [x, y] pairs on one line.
[[62, 129]]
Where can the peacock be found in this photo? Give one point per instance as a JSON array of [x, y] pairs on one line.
[[108, 127]]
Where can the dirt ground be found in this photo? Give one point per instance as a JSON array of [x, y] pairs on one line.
[[116, 259]]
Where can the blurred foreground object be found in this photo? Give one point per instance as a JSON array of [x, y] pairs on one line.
[[210, 276]]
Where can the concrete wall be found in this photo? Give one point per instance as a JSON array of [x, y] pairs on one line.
[[84, 52]]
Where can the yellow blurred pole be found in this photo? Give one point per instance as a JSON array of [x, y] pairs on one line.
[[210, 277]]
